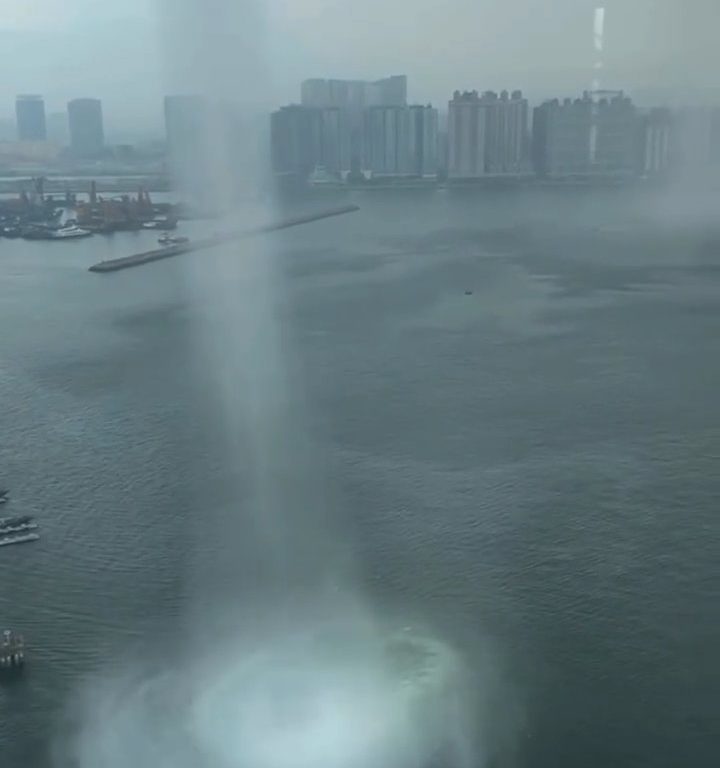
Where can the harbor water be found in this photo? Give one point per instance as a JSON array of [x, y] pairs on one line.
[[513, 400]]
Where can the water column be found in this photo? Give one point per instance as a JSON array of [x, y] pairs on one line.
[[289, 664]]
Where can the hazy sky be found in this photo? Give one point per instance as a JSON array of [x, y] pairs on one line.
[[127, 52]]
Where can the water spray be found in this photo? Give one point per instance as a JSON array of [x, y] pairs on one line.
[[276, 671]]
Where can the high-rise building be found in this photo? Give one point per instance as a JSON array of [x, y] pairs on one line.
[[655, 142], [390, 91], [305, 138], [423, 141], [562, 134], [467, 130], [335, 140], [401, 141], [85, 118], [506, 132], [615, 129], [442, 159], [30, 113], [696, 143], [355, 94], [386, 140], [585, 136], [352, 98]]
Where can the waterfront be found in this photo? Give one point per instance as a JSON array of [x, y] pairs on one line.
[[532, 469]]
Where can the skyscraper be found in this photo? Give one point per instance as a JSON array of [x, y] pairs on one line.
[[423, 140], [655, 142], [696, 140], [506, 135], [86, 127], [30, 113], [401, 141], [386, 140], [615, 122], [352, 97], [355, 94], [467, 130], [586, 136], [561, 137], [306, 138], [336, 135], [390, 91]]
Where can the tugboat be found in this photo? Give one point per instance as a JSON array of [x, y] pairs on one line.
[[12, 650]]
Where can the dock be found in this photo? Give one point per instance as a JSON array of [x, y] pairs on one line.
[[138, 259]]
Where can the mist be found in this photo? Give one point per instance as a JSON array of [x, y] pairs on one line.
[[285, 662]]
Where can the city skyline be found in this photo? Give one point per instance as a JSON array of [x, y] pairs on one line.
[[646, 50], [54, 117]]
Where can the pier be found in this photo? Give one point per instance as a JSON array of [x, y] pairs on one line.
[[138, 259]]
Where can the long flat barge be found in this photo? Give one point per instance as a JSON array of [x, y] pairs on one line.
[[138, 259]]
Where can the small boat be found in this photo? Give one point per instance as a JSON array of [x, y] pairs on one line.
[[468, 293], [4, 499], [164, 224], [168, 240], [12, 650], [23, 538]]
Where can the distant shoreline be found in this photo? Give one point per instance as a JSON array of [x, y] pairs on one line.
[[58, 184], [492, 183]]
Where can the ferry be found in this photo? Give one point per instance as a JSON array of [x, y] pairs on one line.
[[69, 232]]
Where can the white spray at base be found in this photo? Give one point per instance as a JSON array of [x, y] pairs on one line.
[[303, 673], [322, 697]]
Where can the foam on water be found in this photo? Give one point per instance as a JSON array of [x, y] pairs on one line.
[[333, 696]]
